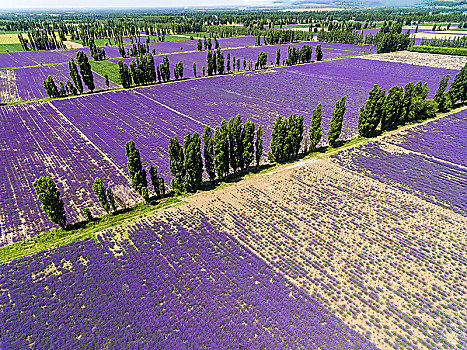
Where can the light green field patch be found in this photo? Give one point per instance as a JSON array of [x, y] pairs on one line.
[[107, 67], [9, 39]]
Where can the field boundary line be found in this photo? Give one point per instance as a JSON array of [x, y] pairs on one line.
[[106, 157], [408, 150], [170, 108]]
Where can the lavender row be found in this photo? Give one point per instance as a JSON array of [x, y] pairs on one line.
[[433, 180], [36, 141], [110, 120], [174, 282], [442, 138]]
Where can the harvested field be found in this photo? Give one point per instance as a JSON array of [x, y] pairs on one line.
[[421, 59], [391, 265], [72, 45], [8, 88]]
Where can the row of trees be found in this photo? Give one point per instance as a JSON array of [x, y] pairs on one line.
[[40, 40], [234, 147], [75, 86], [409, 104]]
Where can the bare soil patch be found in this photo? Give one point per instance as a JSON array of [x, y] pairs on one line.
[[421, 59]]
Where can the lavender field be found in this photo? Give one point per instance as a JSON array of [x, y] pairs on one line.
[[36, 141], [29, 81], [173, 281], [151, 115]]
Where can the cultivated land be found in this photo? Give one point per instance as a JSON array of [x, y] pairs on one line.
[[360, 246], [388, 264], [151, 115], [421, 59]]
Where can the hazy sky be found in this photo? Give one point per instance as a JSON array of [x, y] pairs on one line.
[[173, 3]]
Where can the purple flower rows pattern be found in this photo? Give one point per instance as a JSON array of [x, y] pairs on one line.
[[29, 81], [36, 141], [434, 180], [442, 138], [171, 282]]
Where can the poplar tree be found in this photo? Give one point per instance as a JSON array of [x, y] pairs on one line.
[[135, 168], [176, 164], [441, 98], [85, 70], [294, 135], [235, 142], [371, 111], [316, 128], [51, 203], [248, 136], [220, 62], [101, 193], [259, 145], [278, 140], [458, 89], [111, 199], [392, 108], [75, 75], [319, 53], [193, 161], [228, 62], [155, 180], [221, 150], [278, 56], [209, 65], [194, 69], [208, 152], [335, 126]]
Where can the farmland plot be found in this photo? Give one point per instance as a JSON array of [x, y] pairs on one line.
[[443, 138], [29, 81], [169, 281], [36, 141], [37, 58], [432, 179], [388, 263], [297, 89], [8, 88]]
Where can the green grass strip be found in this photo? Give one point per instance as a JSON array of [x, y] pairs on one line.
[[11, 47], [456, 51], [79, 231], [107, 67]]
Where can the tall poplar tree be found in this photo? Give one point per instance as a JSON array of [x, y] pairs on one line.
[[177, 165], [259, 144], [335, 126], [208, 152], [75, 75], [193, 161], [101, 193], [135, 168], [248, 136], [316, 128], [221, 150], [85, 70], [51, 203]]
